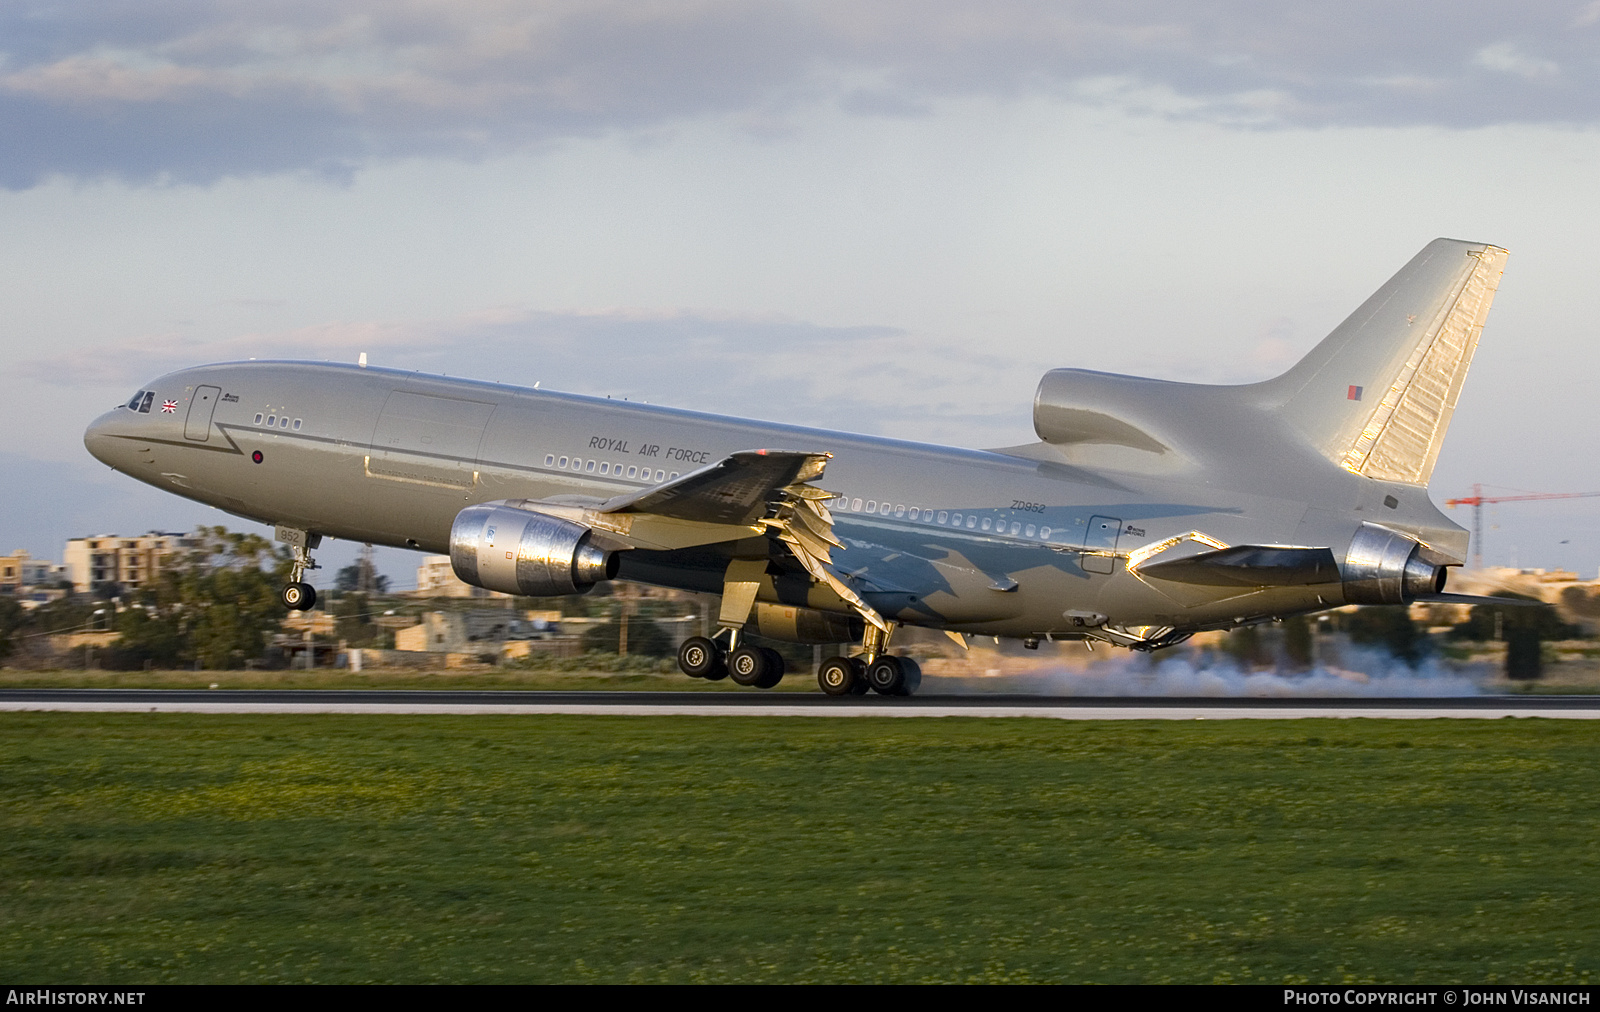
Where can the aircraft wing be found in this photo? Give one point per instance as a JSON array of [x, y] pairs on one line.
[[738, 489]]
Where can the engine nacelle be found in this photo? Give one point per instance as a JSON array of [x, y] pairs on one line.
[[1386, 567], [804, 625], [518, 551]]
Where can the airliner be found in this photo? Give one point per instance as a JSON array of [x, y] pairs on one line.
[[1146, 511]]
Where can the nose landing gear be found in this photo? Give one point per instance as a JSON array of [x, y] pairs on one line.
[[297, 595]]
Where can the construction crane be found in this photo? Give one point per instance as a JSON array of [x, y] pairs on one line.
[[1477, 499]]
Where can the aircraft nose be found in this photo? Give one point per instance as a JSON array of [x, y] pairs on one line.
[[100, 439]]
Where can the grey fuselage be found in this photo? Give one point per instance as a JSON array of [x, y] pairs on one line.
[[367, 456]]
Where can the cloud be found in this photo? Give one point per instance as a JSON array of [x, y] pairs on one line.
[[895, 382], [197, 90]]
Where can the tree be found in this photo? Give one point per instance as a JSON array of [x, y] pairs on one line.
[[220, 600], [1525, 628], [1297, 643], [1390, 627], [645, 638], [12, 620]]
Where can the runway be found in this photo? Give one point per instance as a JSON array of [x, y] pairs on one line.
[[755, 704]]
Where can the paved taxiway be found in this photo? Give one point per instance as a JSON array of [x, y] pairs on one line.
[[784, 704]]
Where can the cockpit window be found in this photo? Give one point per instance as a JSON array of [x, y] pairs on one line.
[[133, 405], [144, 405]]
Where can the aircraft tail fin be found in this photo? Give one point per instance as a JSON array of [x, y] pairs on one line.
[[1377, 394]]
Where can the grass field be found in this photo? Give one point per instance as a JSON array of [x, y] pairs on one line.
[[170, 847]]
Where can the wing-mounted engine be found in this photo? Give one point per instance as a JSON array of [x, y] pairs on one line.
[[501, 547]]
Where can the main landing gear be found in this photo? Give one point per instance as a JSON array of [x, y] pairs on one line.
[[872, 671], [887, 675], [297, 595], [702, 657]]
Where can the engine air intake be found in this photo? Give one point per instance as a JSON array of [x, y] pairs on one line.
[[518, 551]]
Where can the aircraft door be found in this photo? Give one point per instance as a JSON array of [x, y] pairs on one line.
[[202, 406], [1102, 534]]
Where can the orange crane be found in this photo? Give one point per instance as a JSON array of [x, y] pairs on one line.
[[1477, 499]]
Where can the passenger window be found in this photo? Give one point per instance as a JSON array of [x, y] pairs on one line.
[[1015, 529], [563, 462], [956, 519], [899, 510], [589, 467], [1029, 531], [605, 468], [972, 522], [283, 423], [672, 475], [927, 515], [577, 463], [272, 421], [943, 516], [549, 459], [872, 506], [985, 523], [915, 512], [149, 399], [297, 425], [633, 471], [855, 505], [661, 476], [1044, 532], [259, 416]]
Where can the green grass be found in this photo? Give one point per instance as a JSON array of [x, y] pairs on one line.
[[171, 847]]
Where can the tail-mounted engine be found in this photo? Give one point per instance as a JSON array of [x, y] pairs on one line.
[[518, 551], [1386, 567]]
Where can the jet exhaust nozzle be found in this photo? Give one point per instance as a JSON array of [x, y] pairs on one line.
[[1386, 567], [518, 551]]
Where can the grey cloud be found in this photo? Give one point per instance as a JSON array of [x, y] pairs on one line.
[[194, 91]]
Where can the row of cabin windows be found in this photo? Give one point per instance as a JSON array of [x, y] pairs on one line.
[[278, 422], [605, 467], [968, 521]]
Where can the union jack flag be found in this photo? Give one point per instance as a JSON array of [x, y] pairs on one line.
[[169, 407]]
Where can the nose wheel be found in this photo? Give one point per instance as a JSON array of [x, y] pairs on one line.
[[298, 596]]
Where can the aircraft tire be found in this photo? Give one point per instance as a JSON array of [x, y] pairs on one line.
[[748, 665], [699, 656], [861, 686], [298, 596], [886, 676], [841, 676], [775, 667]]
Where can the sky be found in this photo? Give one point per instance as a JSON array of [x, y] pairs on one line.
[[886, 217]]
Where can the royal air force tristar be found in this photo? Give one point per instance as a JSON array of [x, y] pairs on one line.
[[1148, 510]]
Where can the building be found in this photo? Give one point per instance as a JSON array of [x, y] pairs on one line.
[[126, 562], [435, 578], [479, 630], [20, 571]]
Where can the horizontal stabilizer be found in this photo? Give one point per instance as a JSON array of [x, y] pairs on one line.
[[1250, 566], [1474, 599]]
